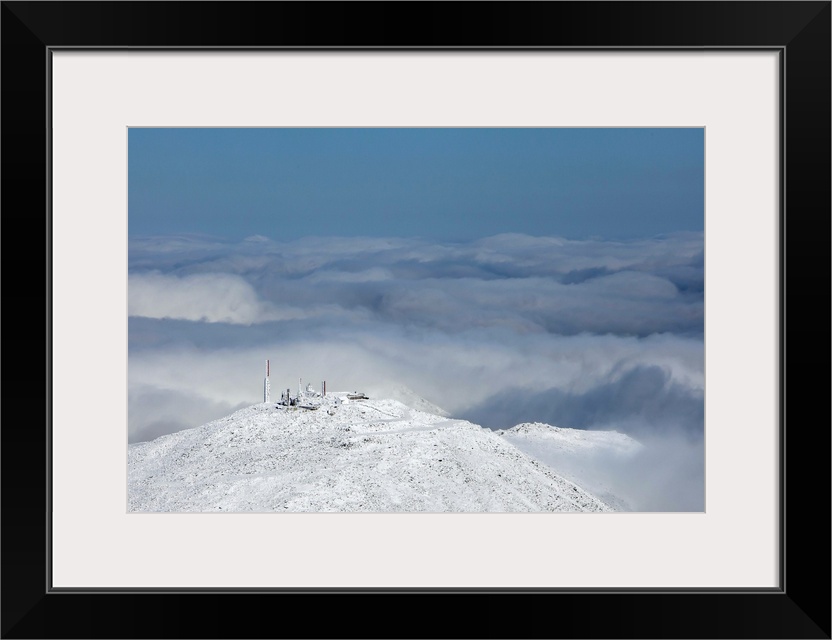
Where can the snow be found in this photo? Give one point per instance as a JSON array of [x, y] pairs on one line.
[[375, 455], [588, 458]]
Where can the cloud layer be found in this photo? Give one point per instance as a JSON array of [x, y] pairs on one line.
[[502, 330]]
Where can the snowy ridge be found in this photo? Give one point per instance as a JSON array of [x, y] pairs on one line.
[[584, 457], [365, 455], [573, 440]]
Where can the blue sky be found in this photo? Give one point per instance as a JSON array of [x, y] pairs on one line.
[[440, 184]]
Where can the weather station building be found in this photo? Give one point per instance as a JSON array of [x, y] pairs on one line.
[[309, 397]]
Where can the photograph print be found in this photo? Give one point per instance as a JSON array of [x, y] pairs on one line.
[[423, 320]]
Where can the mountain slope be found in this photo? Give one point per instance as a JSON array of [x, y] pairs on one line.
[[369, 455], [589, 458]]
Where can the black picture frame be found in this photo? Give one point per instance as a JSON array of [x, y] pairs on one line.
[[798, 608]]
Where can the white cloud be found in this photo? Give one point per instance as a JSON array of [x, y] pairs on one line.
[[214, 297], [456, 373], [154, 412], [456, 323]]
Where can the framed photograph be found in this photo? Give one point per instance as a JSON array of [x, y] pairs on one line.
[[466, 283]]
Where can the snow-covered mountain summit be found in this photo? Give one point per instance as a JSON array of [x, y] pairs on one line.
[[344, 455]]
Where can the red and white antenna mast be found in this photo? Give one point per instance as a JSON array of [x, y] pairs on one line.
[[267, 387]]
